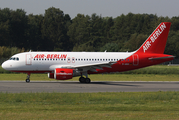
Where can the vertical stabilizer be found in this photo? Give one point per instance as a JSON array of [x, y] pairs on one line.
[[156, 42]]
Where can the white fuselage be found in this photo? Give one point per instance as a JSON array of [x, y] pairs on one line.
[[48, 61]]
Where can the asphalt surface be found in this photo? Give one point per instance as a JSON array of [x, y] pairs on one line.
[[76, 87]]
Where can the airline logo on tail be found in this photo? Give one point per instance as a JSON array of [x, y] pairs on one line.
[[154, 36]]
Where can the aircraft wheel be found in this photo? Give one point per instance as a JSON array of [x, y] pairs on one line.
[[87, 80], [27, 80], [82, 79]]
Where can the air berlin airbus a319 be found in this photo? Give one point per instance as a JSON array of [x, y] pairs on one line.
[[65, 65]]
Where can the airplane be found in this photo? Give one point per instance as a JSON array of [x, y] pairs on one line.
[[66, 65]]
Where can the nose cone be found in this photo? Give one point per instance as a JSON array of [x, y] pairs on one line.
[[5, 65]]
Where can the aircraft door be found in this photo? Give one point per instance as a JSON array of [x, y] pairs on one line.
[[70, 60], [135, 60], [28, 59]]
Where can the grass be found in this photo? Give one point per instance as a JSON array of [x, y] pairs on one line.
[[98, 77], [78, 106], [156, 69]]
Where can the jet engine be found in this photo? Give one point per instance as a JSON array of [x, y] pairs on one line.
[[61, 74], [51, 75]]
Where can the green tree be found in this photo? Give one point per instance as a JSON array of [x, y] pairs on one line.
[[34, 36], [79, 30], [5, 27], [172, 46], [110, 47], [97, 32], [18, 28], [54, 29]]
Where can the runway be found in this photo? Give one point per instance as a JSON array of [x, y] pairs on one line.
[[76, 87]]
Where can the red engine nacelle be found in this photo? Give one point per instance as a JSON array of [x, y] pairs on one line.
[[62, 74]]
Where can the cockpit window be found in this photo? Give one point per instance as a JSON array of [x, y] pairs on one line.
[[14, 58]]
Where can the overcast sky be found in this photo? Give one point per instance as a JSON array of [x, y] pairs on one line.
[[110, 8]]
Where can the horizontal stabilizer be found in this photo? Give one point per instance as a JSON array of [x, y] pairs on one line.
[[159, 58]]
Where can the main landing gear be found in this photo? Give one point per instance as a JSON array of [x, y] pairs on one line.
[[28, 78], [84, 80]]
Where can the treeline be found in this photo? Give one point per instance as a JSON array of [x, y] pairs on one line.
[[56, 31], [6, 52]]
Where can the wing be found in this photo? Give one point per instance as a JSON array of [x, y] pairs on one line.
[[93, 67], [85, 67]]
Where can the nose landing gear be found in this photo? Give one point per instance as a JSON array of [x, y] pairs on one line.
[[28, 78]]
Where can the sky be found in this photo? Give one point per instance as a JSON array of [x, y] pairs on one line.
[[105, 8]]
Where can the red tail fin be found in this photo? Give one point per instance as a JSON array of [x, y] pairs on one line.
[[156, 42]]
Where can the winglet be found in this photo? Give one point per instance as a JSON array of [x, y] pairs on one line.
[[156, 42]]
